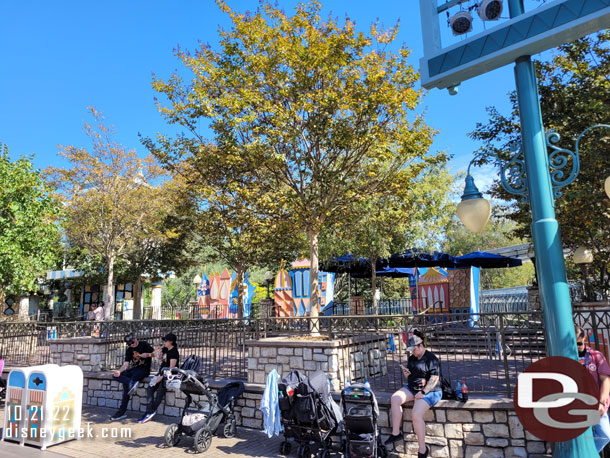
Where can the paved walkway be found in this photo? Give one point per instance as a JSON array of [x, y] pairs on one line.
[[146, 441]]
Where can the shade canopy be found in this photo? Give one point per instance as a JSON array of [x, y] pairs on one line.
[[414, 258], [487, 260], [392, 272], [348, 263], [396, 272]]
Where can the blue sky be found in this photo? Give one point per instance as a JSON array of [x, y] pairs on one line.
[[58, 58]]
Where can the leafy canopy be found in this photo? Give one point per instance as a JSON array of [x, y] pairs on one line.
[[318, 114], [29, 230]]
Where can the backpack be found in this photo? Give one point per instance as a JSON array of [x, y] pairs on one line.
[[192, 363], [448, 392]]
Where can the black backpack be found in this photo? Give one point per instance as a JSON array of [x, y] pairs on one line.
[[448, 392], [192, 363]]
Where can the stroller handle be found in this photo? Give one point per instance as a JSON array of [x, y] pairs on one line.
[[203, 386]]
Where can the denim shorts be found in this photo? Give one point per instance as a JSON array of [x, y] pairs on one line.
[[431, 398]]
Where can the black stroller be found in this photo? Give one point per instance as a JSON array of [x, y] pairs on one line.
[[360, 414], [308, 413], [205, 422]]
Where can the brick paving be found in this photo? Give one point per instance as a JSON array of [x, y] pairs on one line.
[[146, 441]]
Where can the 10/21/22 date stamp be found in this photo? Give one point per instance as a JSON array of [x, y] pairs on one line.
[[38, 414]]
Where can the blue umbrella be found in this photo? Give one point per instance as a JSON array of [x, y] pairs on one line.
[[413, 258], [348, 263], [393, 272], [487, 260]]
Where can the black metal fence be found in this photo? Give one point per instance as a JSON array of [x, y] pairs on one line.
[[487, 350]]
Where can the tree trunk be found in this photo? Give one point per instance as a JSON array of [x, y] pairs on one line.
[[313, 281], [137, 299], [239, 275], [110, 306], [374, 283]]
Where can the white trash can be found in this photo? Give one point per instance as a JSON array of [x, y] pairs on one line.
[[15, 404]]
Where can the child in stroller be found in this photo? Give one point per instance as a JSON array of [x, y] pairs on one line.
[[205, 422], [308, 413], [360, 414]]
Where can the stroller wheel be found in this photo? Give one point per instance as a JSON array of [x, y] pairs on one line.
[[285, 448], [228, 430], [172, 437], [304, 451], [203, 440], [382, 452]]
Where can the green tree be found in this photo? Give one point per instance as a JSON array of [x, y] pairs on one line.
[[321, 115], [574, 93], [232, 229], [29, 230], [499, 233], [112, 210], [408, 212]]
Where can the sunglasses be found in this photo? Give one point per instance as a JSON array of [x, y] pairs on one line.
[[580, 344]]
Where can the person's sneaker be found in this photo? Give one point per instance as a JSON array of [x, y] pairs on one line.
[[392, 438], [133, 389], [119, 415], [147, 417]]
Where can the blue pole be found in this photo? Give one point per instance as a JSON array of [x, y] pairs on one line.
[[550, 265]]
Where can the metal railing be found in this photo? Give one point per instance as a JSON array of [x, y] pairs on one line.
[[384, 307], [488, 349]]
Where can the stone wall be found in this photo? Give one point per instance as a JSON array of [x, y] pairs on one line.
[[357, 359], [92, 354], [478, 428], [100, 390], [533, 298]]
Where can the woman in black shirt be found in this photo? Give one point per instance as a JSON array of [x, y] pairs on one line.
[[155, 393], [423, 387]]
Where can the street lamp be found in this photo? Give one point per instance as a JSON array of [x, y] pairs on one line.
[[474, 210], [583, 257], [196, 281]]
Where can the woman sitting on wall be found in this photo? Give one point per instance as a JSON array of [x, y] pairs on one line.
[[155, 393], [423, 387]]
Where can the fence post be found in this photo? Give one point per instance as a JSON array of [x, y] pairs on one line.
[[215, 341], [504, 356], [594, 329]]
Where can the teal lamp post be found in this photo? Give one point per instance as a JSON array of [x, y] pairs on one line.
[[550, 25]]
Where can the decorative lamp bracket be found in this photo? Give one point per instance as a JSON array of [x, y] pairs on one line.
[[513, 175], [561, 160]]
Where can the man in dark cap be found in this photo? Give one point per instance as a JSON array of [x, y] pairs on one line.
[[155, 393], [136, 367]]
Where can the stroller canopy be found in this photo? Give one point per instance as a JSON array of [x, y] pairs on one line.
[[229, 392]]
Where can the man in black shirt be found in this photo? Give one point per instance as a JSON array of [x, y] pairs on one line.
[[423, 387], [169, 359], [139, 356]]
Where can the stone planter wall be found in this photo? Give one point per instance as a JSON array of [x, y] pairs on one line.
[[478, 428], [357, 359], [90, 353]]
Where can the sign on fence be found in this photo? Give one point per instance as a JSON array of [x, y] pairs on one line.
[[51, 332]]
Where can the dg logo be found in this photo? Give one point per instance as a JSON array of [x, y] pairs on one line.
[[556, 399]]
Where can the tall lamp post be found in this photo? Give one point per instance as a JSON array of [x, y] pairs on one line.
[[512, 42]]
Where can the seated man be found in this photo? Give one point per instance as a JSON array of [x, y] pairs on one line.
[[423, 387], [156, 391], [139, 356]]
